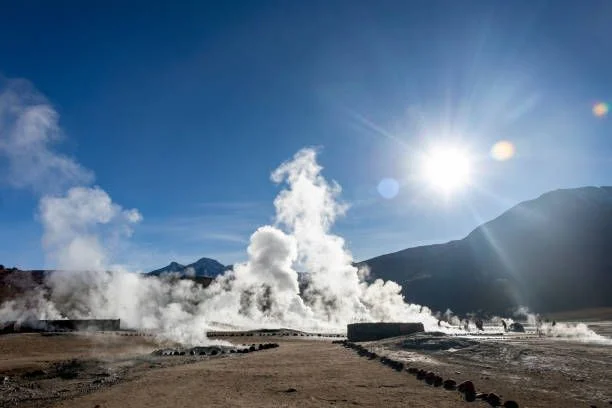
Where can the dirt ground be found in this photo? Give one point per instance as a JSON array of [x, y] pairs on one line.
[[107, 370], [537, 372]]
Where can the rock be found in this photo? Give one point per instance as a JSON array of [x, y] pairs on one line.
[[438, 381], [470, 396], [430, 377], [290, 390], [467, 386], [450, 384], [421, 374], [399, 366], [494, 399], [510, 404]]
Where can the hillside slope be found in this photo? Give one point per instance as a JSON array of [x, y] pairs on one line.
[[553, 253]]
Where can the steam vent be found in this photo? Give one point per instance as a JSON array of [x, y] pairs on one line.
[[377, 331]]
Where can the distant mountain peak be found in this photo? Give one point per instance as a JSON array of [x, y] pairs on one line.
[[206, 261], [202, 267], [175, 265]]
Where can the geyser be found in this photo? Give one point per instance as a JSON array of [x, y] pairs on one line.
[[83, 228]]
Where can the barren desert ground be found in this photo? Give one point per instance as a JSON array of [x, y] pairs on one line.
[[111, 370]]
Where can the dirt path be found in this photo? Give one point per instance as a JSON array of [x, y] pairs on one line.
[[322, 374]]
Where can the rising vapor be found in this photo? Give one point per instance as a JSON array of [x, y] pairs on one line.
[[83, 227]]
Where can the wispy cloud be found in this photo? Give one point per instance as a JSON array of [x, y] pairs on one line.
[[28, 130], [195, 229], [229, 228]]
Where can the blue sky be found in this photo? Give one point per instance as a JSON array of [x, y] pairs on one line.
[[183, 110]]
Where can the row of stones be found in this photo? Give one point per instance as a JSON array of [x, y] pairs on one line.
[[275, 334], [467, 388], [213, 351]]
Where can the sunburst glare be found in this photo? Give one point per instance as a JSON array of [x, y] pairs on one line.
[[446, 169]]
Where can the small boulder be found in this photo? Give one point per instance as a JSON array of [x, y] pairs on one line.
[[438, 381], [467, 386], [470, 396], [450, 384], [494, 399], [510, 404]]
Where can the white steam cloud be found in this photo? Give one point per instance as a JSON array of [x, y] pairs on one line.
[[73, 225], [28, 129]]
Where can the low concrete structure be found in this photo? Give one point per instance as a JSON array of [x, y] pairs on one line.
[[34, 326], [377, 331]]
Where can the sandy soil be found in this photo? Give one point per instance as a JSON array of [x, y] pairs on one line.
[[537, 372], [119, 371]]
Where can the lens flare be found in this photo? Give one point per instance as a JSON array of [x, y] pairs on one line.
[[601, 109], [388, 188], [502, 150]]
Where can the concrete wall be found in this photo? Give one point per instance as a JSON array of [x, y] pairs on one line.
[[377, 331], [33, 326]]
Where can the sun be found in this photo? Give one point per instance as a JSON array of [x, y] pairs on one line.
[[446, 169]]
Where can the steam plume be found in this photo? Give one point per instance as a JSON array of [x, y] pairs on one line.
[[83, 227]]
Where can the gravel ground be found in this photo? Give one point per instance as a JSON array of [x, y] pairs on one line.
[[107, 370]]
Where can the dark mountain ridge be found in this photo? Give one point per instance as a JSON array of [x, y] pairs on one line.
[[553, 253], [202, 267]]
